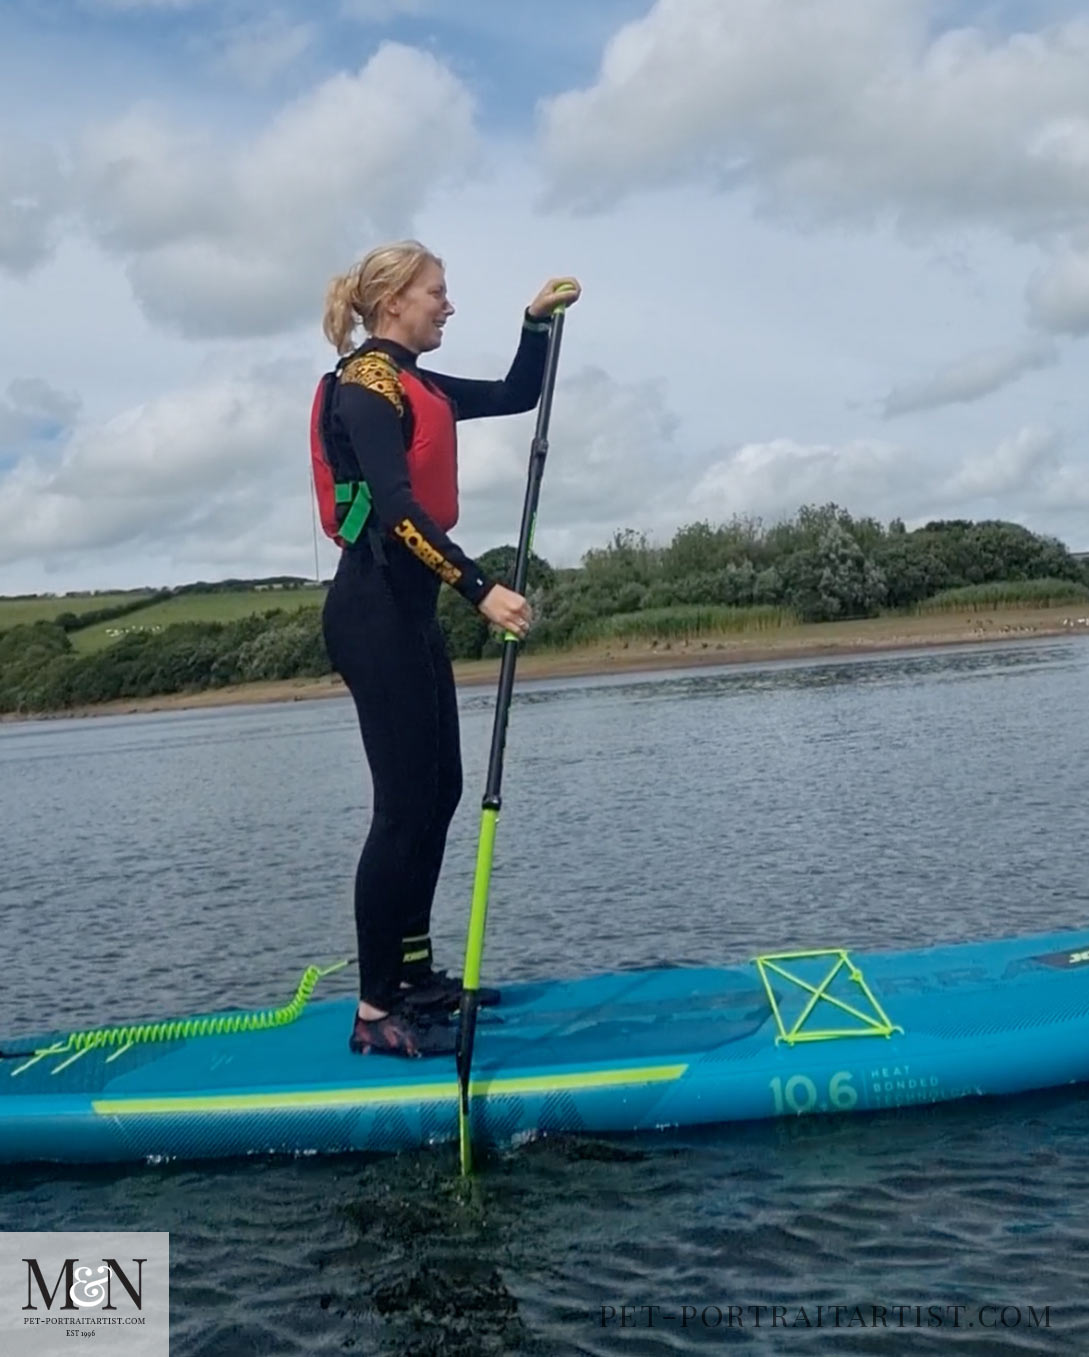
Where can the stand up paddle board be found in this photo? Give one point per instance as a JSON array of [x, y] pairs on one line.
[[828, 1031]]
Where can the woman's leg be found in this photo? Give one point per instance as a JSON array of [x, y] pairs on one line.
[[426, 988], [387, 664], [416, 944]]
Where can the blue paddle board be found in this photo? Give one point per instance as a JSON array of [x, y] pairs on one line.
[[832, 1031]]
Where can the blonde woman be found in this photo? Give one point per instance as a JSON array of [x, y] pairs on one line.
[[391, 427]]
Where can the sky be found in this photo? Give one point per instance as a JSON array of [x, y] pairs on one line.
[[831, 251]]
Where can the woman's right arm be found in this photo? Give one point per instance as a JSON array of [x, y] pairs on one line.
[[369, 405]]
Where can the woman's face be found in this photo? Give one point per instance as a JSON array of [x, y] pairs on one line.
[[418, 313]]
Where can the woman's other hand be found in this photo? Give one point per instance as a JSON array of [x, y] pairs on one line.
[[556, 292], [507, 610]]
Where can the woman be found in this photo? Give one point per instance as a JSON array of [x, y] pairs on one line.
[[392, 426]]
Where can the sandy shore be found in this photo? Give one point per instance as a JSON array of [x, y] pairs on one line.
[[869, 635]]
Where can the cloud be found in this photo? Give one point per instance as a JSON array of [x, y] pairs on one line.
[[1031, 477], [33, 194], [1017, 479], [33, 409], [259, 49], [1065, 493], [608, 440], [1018, 464], [837, 111], [202, 465], [969, 378], [217, 471], [1058, 295], [384, 11], [772, 479], [730, 374], [241, 239], [144, 184]]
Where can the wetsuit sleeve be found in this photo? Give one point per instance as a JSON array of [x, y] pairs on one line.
[[518, 391], [370, 403]]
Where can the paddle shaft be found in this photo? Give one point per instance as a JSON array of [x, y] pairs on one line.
[[478, 917]]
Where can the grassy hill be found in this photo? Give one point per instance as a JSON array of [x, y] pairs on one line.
[[145, 610], [15, 612], [221, 606]]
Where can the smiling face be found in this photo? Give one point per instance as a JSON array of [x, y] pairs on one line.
[[415, 316]]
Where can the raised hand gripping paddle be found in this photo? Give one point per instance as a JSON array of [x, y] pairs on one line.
[[478, 917]]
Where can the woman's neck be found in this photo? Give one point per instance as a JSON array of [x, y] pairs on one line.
[[394, 334]]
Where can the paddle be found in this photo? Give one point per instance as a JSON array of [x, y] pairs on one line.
[[478, 916]]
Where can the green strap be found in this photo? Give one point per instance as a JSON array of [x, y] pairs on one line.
[[357, 495]]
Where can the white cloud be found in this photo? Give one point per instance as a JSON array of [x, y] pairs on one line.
[[1017, 465], [969, 378], [608, 441], [209, 289], [1065, 495], [846, 109], [200, 465], [259, 49], [218, 472], [143, 183], [241, 239], [1058, 295], [771, 480], [1018, 479], [32, 408], [33, 194]]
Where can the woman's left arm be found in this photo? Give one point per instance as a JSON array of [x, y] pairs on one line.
[[520, 389]]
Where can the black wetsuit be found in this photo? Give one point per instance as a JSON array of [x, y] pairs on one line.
[[384, 640]]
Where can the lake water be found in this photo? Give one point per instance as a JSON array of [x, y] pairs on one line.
[[193, 860]]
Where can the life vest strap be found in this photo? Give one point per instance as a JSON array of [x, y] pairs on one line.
[[357, 495]]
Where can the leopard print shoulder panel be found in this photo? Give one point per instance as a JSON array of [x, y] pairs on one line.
[[375, 371]]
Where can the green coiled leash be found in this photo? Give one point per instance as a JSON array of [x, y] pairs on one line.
[[126, 1036]]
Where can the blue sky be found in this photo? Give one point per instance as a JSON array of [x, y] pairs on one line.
[[834, 251], [115, 51]]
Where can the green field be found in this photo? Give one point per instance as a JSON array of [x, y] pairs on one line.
[[15, 612], [218, 607]]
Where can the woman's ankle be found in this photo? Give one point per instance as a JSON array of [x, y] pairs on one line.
[[369, 1013]]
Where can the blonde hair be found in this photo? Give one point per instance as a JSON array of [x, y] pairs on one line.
[[356, 297]]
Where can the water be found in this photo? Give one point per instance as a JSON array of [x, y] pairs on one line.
[[201, 859]]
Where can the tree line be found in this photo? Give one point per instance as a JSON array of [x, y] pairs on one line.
[[821, 565]]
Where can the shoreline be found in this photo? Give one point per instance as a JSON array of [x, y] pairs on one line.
[[815, 640]]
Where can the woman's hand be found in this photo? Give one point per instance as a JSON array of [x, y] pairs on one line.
[[507, 610], [556, 292]]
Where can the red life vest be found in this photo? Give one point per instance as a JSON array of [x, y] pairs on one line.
[[344, 504], [433, 451]]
